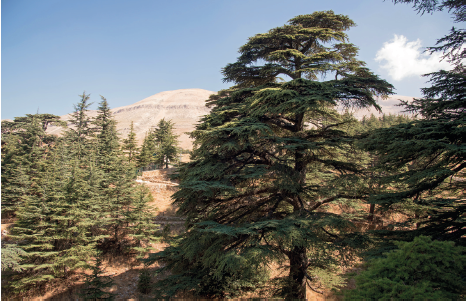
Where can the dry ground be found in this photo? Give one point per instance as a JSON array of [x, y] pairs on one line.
[[125, 271]]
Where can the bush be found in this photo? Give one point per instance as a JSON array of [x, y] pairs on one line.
[[419, 270]]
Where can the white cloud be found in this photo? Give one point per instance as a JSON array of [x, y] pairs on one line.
[[405, 59]]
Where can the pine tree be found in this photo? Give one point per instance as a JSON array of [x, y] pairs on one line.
[[270, 157], [11, 258], [130, 145], [140, 221], [425, 160], [166, 142]]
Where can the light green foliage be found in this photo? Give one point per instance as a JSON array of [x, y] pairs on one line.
[[95, 283], [420, 270], [269, 157], [11, 258]]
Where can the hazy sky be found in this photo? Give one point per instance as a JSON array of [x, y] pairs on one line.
[[127, 50]]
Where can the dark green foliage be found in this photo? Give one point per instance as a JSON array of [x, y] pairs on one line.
[[159, 146], [148, 149], [80, 195], [124, 209], [80, 132], [144, 281], [270, 157], [190, 262], [166, 143], [23, 142], [140, 220], [420, 270], [424, 160], [53, 227], [95, 283]]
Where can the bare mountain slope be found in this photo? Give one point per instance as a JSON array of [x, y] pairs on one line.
[[184, 107]]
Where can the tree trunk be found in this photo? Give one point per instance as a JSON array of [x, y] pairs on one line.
[[298, 263]]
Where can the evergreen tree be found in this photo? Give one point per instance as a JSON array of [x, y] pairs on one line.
[[95, 283], [421, 270], [53, 225], [425, 160], [148, 149], [124, 211], [130, 145], [23, 140], [166, 142], [270, 157], [140, 220], [62, 205], [79, 134], [11, 258]]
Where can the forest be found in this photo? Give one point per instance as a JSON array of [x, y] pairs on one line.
[[284, 194]]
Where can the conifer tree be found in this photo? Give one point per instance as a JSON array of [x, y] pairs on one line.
[[62, 206], [148, 149], [420, 270], [124, 211], [95, 283], [425, 159], [130, 145], [269, 157], [14, 175], [81, 131], [11, 258], [166, 142], [53, 226], [20, 139]]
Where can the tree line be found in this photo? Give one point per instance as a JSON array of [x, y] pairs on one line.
[[74, 197], [277, 177]]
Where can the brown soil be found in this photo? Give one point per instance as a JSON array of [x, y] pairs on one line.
[[125, 271]]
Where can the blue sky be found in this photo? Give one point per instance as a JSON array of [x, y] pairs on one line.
[[127, 50]]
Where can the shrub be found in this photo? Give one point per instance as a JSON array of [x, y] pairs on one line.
[[419, 270]]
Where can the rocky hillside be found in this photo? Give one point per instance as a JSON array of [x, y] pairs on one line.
[[184, 107]]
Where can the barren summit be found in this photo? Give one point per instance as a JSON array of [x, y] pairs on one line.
[[184, 107]]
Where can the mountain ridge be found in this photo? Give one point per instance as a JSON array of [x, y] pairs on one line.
[[185, 107]]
